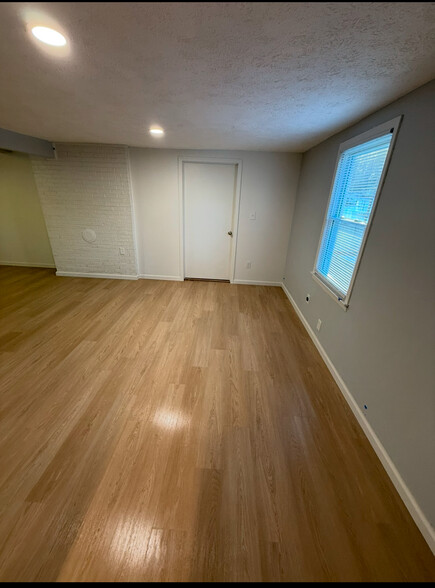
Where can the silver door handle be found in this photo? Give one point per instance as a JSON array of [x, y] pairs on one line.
[[230, 233]]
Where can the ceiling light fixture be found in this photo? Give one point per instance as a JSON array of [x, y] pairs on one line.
[[49, 36], [157, 132]]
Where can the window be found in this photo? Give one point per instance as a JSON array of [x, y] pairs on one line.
[[360, 170]]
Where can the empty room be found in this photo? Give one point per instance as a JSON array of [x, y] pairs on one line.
[[217, 320]]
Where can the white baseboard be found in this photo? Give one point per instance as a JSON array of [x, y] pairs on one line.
[[255, 283], [155, 277], [411, 504], [27, 264], [180, 279], [93, 275]]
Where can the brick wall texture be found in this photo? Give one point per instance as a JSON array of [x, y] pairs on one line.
[[88, 187]]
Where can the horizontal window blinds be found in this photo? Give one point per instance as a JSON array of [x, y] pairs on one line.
[[356, 183]]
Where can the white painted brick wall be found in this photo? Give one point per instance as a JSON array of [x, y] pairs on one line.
[[88, 187]]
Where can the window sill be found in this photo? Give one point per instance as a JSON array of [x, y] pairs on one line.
[[331, 293]]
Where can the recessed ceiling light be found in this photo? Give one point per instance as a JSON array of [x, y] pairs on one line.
[[156, 131], [49, 36]]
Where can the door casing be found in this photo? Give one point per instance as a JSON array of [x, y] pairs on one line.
[[238, 165]]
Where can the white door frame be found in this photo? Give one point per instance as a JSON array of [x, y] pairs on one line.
[[192, 159]]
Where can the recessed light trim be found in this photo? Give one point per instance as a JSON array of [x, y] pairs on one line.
[[49, 36], [157, 132]]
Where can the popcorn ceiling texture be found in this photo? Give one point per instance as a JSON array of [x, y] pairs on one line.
[[216, 75], [88, 187]]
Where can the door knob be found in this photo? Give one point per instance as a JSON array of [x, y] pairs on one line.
[[230, 233]]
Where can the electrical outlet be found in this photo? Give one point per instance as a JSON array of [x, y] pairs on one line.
[[122, 251], [319, 324], [248, 265]]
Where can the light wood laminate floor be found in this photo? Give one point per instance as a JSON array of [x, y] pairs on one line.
[[188, 431]]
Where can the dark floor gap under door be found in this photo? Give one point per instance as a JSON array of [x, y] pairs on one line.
[[205, 280]]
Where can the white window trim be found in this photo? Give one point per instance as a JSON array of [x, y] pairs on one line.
[[358, 140]]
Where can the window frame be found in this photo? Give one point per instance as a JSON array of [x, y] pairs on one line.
[[382, 129]]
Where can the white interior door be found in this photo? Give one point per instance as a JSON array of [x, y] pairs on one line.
[[209, 191]]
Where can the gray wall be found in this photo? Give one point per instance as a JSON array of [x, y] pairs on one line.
[[383, 346], [25, 144]]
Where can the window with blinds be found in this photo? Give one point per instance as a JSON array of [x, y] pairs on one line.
[[356, 185]]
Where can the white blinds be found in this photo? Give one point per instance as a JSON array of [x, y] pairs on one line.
[[356, 182]]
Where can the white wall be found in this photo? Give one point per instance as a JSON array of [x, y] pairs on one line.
[[88, 187], [23, 234], [269, 182]]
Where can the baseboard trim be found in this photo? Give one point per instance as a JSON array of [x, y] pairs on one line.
[[255, 283], [28, 264], [411, 504], [180, 279], [156, 277], [94, 275]]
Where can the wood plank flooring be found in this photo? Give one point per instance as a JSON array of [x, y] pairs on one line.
[[167, 431]]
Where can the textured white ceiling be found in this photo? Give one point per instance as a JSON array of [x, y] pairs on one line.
[[242, 75]]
